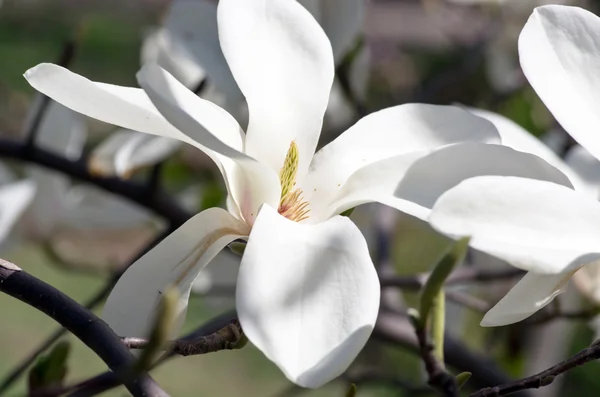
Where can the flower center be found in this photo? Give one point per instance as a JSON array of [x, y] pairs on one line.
[[291, 204]]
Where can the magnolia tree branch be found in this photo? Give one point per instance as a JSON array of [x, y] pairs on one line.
[[543, 378], [210, 331], [227, 338], [397, 330], [152, 198], [439, 378], [461, 276], [88, 328], [93, 302]]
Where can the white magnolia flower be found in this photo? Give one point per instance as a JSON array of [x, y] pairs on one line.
[[187, 46], [543, 227], [57, 203], [307, 293]]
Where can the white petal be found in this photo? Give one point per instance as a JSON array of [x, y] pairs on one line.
[[14, 199], [530, 294], [91, 208], [282, 62], [122, 106], [516, 137], [560, 57], [534, 225], [587, 281], [176, 261], [49, 205], [391, 132], [421, 179], [160, 47], [221, 133], [126, 151], [250, 183], [193, 27], [587, 168], [61, 130], [307, 295], [342, 21]]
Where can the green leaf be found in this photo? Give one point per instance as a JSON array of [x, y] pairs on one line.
[[347, 212], [462, 378], [50, 369], [438, 276], [352, 391]]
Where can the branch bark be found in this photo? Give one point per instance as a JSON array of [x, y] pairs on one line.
[[108, 380], [543, 378], [88, 328], [153, 199], [396, 329]]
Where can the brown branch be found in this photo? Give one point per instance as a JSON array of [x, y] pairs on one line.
[[396, 329], [439, 378], [469, 301], [106, 381], [543, 378], [366, 377], [226, 338], [157, 201], [88, 328], [464, 275]]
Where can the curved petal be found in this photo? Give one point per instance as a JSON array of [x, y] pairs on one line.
[[559, 53], [587, 168], [161, 48], [176, 261], [307, 295], [391, 132], [342, 21], [413, 183], [516, 137], [49, 205], [534, 225], [91, 208], [193, 28], [122, 106], [587, 281], [126, 151], [530, 294], [282, 62], [250, 182], [14, 199], [61, 130]]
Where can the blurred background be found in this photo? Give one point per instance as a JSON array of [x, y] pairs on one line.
[[433, 51]]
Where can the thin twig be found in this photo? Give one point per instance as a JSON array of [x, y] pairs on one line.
[[439, 378], [365, 377], [543, 378], [106, 381], [227, 338], [467, 300], [88, 328], [464, 275], [397, 330]]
